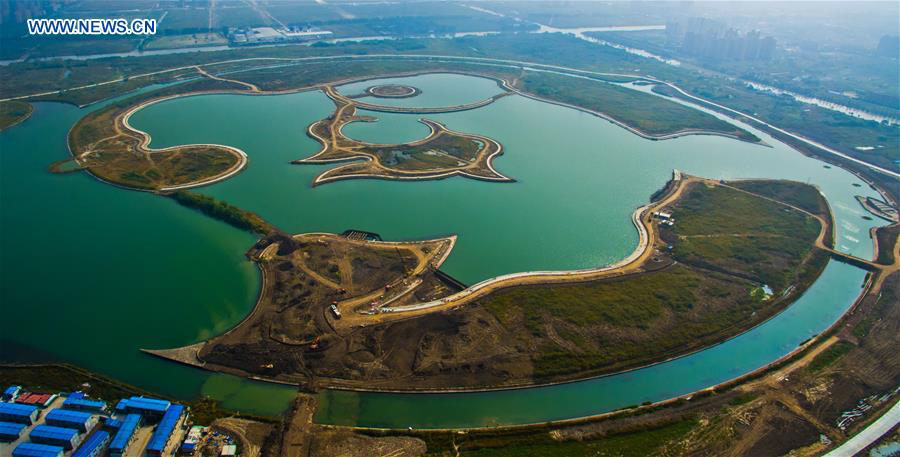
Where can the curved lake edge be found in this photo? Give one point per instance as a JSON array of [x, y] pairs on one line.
[[820, 159], [145, 138], [507, 62], [189, 355], [501, 81]]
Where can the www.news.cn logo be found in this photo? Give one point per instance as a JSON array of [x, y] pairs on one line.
[[91, 27]]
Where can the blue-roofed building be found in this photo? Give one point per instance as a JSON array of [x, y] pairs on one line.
[[76, 395], [111, 424], [146, 406], [10, 431], [121, 405], [125, 435], [163, 433], [79, 420], [11, 393], [37, 450], [55, 436], [94, 446], [80, 404], [14, 412]]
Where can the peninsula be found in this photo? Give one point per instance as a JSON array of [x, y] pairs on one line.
[[714, 259], [14, 112]]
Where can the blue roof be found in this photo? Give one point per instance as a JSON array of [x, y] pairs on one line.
[[10, 428], [53, 433], [93, 442], [120, 406], [36, 450], [82, 403], [120, 441], [72, 417], [112, 423], [17, 409], [76, 395], [148, 404], [11, 390], [164, 429]]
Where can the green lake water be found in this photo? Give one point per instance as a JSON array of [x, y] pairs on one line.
[[91, 273]]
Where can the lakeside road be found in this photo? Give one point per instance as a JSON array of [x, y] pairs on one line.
[[869, 435], [648, 236]]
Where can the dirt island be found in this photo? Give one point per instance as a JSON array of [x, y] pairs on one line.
[[714, 260]]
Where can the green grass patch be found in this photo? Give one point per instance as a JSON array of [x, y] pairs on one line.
[[619, 303], [720, 210], [829, 356], [727, 230], [635, 444], [794, 193], [650, 114]]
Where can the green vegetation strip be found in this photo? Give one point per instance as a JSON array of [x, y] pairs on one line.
[[647, 113], [631, 443], [830, 356], [223, 211]]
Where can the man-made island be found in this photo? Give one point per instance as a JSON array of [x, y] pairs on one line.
[[393, 91], [104, 144], [441, 154], [714, 260]]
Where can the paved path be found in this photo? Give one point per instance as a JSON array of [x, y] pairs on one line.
[[203, 72], [869, 434]]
